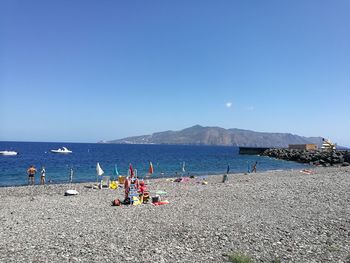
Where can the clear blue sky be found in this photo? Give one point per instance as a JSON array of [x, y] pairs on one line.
[[83, 71]]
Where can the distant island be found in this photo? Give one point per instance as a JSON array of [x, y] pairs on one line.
[[199, 135]]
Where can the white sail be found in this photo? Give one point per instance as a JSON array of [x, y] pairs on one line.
[[183, 167], [99, 170]]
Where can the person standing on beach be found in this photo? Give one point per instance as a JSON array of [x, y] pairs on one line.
[[31, 172], [254, 167], [224, 178], [42, 175]]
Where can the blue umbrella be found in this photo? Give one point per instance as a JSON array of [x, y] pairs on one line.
[[115, 172]]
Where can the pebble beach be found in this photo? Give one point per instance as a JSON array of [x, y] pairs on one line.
[[276, 216]]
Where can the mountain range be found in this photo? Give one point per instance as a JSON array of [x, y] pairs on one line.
[[199, 135]]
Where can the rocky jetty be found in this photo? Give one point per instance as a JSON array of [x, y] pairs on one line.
[[318, 158]]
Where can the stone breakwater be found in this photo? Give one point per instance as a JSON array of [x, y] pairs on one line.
[[280, 216], [318, 158]]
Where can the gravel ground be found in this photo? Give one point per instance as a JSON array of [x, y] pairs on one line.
[[282, 215]]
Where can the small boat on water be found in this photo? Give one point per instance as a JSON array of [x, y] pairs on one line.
[[8, 153], [61, 150]]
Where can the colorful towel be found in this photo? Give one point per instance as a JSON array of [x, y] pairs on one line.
[[305, 171], [161, 203]]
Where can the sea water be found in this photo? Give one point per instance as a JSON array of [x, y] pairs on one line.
[[167, 161]]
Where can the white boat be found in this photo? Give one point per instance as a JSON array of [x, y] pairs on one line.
[[61, 150], [8, 153]]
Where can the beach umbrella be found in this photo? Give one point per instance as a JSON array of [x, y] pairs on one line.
[[150, 169], [99, 170], [183, 167], [115, 172], [71, 191], [228, 169], [71, 175], [131, 171]]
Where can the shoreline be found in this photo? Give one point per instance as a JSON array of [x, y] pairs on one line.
[[155, 178], [286, 215]]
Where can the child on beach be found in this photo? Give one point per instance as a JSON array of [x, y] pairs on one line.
[[144, 195], [142, 187], [31, 172], [42, 175]]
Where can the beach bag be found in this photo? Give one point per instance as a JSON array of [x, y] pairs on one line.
[[126, 201], [155, 199], [116, 202], [121, 180]]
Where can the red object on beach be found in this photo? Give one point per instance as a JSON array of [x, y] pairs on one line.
[[160, 203], [142, 187], [150, 170], [131, 170], [116, 202]]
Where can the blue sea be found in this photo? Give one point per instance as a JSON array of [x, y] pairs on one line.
[[167, 161]]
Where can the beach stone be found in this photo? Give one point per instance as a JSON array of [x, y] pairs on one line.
[[282, 215], [318, 157]]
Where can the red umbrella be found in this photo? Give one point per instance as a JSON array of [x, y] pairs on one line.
[[150, 170], [131, 170]]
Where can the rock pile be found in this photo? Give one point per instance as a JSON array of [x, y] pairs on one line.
[[319, 158]]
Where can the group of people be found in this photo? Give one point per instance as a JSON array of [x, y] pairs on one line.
[[31, 174], [131, 179], [139, 186]]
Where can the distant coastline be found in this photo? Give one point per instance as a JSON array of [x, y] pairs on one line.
[[199, 135]]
